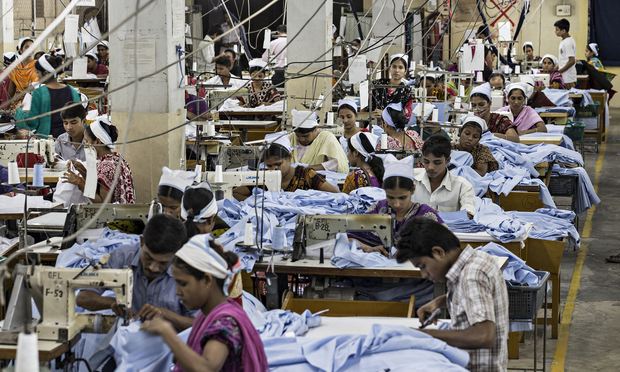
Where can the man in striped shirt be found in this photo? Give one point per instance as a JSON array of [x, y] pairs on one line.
[[477, 299]]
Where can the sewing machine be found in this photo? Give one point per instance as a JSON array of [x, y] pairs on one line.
[[313, 230], [238, 156], [217, 97], [53, 290], [9, 149], [128, 218], [223, 190]]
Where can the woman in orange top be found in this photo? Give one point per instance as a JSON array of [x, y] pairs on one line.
[[25, 73]]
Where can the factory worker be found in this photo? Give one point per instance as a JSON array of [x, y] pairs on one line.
[[154, 290], [347, 113], [368, 166], [394, 124], [172, 184], [320, 150], [437, 186], [499, 125], [70, 145], [94, 67], [278, 156], [262, 92], [526, 119], [469, 140], [394, 89], [222, 336], [25, 73], [477, 299]]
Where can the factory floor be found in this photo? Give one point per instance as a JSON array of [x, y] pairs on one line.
[[590, 330]]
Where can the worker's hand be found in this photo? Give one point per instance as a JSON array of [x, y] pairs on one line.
[[79, 167], [22, 134], [426, 310], [149, 312], [74, 179], [121, 310], [376, 113], [378, 248], [157, 326]]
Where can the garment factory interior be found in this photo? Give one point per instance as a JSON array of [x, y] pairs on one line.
[[316, 185]]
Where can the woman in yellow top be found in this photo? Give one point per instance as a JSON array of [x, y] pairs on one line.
[[25, 73]]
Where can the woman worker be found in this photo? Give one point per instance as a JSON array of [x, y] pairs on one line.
[[469, 140], [347, 113], [319, 150], [369, 171], [262, 92], [278, 157], [49, 97], [172, 185], [526, 119], [222, 336], [499, 125], [592, 56], [398, 92], [549, 64], [394, 123], [102, 135], [25, 73]]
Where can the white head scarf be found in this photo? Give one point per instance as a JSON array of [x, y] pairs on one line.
[[281, 138], [208, 211], [257, 62], [523, 87], [356, 142], [46, 65], [400, 168], [404, 57], [528, 43], [474, 119], [594, 48], [93, 55], [484, 89], [197, 253], [385, 115], [104, 43], [21, 41], [177, 179], [347, 102], [553, 59], [100, 133], [304, 119]]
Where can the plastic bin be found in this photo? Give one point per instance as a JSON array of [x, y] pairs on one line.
[[524, 301], [575, 130], [588, 111]]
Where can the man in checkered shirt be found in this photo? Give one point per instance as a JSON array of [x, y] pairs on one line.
[[477, 299]]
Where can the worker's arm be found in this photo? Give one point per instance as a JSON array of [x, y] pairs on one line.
[[539, 128], [511, 135], [93, 301], [213, 356], [326, 186], [178, 321], [241, 193], [479, 336], [571, 62]]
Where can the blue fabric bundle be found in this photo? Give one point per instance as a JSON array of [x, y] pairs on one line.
[[586, 195], [515, 271], [347, 254], [80, 254]]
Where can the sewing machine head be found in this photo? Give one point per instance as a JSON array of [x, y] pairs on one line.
[[9, 149], [315, 229], [54, 292], [238, 156], [218, 96], [271, 179]]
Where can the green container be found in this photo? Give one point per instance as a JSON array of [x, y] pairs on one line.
[[574, 130]]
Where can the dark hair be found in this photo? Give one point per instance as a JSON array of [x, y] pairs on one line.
[[73, 110], [110, 129], [52, 60], [232, 52], [375, 162], [398, 117], [563, 24], [304, 130], [164, 234], [38, 54], [437, 145], [230, 258], [527, 46], [195, 200], [223, 61], [483, 29], [480, 95], [281, 29], [398, 182], [277, 151], [348, 107], [171, 192], [497, 74], [418, 237], [513, 89], [490, 49], [215, 30]]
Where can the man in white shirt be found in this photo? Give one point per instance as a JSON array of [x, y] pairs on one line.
[[206, 53], [567, 53], [223, 75], [277, 52], [436, 186]]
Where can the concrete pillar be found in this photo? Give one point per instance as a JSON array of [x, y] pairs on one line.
[[7, 34], [160, 101], [311, 44]]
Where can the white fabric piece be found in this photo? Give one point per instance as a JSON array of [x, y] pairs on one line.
[[198, 253], [394, 167], [177, 179], [356, 142], [208, 211], [46, 65], [594, 48], [347, 102], [281, 138], [553, 58], [424, 110], [304, 119], [484, 89], [402, 56], [100, 133], [475, 119], [257, 62]]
